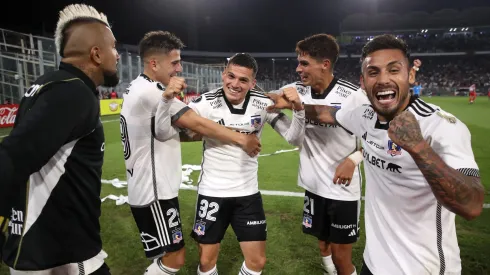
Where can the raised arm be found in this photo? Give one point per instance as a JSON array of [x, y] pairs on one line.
[[459, 190]]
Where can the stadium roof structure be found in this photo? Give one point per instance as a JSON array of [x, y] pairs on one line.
[[415, 21]]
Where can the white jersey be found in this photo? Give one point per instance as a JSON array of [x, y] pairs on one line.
[[407, 230], [326, 146], [227, 171], [153, 160]]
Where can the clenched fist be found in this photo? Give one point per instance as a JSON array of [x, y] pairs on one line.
[[292, 96], [405, 131], [174, 87], [417, 63]]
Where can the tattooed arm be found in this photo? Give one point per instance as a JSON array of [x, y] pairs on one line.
[[461, 194]]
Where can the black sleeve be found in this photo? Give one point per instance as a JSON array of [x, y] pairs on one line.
[[63, 112]]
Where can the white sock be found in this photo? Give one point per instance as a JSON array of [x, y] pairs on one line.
[[355, 272], [328, 265], [246, 271], [157, 268], [213, 271]]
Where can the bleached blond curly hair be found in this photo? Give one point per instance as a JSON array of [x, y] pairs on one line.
[[71, 13]]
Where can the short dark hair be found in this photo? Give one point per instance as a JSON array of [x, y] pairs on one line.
[[244, 60], [159, 42], [384, 42], [319, 46]]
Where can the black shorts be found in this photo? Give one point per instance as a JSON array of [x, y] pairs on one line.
[[103, 270], [160, 227], [245, 214], [331, 220]]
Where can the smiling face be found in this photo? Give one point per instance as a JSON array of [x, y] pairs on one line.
[[237, 81], [385, 75]]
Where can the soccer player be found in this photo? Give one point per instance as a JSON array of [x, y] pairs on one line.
[[413, 71], [416, 90], [228, 186], [152, 149], [51, 163], [419, 165], [472, 93], [329, 157]]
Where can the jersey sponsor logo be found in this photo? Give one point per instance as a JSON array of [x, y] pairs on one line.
[[217, 103], [259, 104], [301, 90], [149, 242], [307, 221], [393, 168], [255, 222], [343, 92], [221, 122], [177, 236], [256, 121], [344, 226], [394, 149], [200, 228], [16, 222], [380, 163], [316, 123], [368, 114], [372, 142]]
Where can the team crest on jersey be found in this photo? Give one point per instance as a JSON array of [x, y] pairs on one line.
[[177, 236], [200, 228], [394, 149], [307, 221], [301, 90], [256, 121]]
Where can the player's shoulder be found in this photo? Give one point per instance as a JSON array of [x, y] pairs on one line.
[[347, 85], [209, 96], [433, 117], [143, 84], [259, 99], [300, 87]]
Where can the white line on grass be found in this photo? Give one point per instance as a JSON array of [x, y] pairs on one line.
[[122, 184], [105, 121]]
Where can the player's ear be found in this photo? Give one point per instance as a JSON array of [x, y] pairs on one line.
[[95, 55], [254, 82], [362, 83], [327, 64]]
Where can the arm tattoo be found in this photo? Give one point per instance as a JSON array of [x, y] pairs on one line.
[[459, 193], [321, 113]]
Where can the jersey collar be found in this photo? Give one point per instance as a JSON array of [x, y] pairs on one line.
[[80, 74], [326, 91], [385, 126], [232, 109]]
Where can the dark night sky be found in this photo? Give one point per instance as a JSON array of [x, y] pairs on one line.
[[221, 25]]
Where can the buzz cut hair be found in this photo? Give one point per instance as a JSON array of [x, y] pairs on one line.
[[73, 14], [159, 42], [319, 46], [244, 60]]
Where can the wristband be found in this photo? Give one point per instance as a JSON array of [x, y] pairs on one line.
[[356, 157]]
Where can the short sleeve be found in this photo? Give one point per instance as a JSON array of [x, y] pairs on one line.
[[451, 140], [350, 119], [356, 99], [198, 104]]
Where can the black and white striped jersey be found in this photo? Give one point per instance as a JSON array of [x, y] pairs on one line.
[[153, 163], [326, 146], [54, 156], [402, 215], [227, 171]]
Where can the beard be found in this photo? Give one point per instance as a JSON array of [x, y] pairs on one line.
[[388, 113], [111, 79]]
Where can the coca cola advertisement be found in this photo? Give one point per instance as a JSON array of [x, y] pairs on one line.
[[7, 115]]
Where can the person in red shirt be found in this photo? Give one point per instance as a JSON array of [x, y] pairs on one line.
[[472, 93], [113, 94], [489, 94]]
